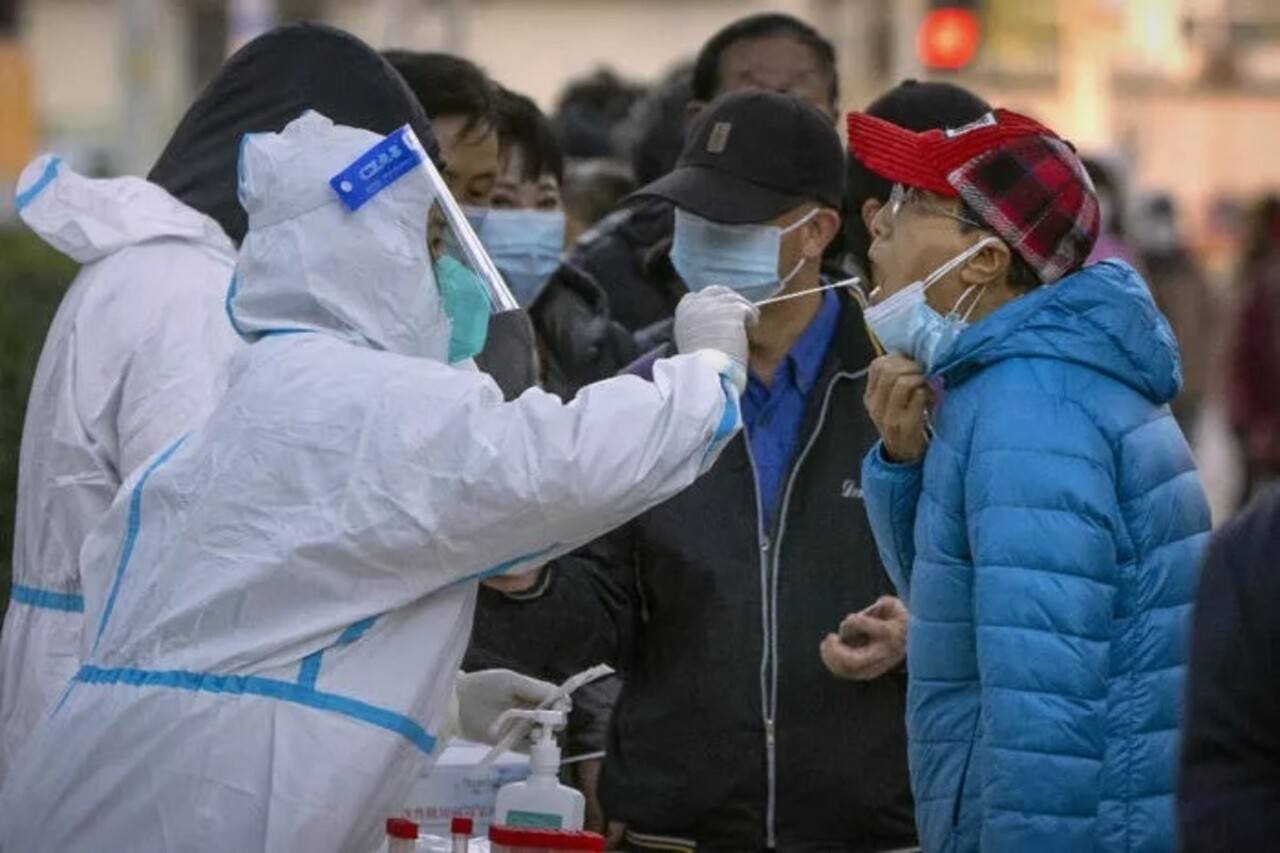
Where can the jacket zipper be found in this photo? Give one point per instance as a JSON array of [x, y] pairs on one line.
[[770, 556], [766, 662]]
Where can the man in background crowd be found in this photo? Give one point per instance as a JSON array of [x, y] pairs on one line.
[[628, 253], [461, 102]]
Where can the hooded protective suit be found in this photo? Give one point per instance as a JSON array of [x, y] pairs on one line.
[[289, 588], [135, 355]]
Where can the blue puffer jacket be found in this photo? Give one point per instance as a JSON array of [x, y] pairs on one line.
[[1048, 548]]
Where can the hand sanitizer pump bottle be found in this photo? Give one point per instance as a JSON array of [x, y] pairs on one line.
[[541, 802]]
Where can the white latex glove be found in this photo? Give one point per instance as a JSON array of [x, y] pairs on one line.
[[485, 695], [716, 319]]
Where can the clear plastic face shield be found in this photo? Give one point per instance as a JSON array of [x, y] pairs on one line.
[[471, 288]]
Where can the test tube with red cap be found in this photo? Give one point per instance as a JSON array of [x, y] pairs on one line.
[[402, 835], [460, 830]]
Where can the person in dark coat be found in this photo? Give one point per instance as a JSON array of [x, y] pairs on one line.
[[1229, 786]]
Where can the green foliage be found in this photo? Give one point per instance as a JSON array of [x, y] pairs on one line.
[[33, 278]]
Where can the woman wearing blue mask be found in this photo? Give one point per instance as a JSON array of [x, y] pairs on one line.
[[524, 232], [1032, 497]]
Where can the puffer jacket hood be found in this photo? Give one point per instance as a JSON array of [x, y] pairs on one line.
[[264, 86], [1102, 317], [308, 264]]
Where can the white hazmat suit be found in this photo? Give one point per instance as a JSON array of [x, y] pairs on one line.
[[292, 584], [133, 359]]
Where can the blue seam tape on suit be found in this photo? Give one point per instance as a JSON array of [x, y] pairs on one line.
[[730, 418], [46, 599], [29, 195], [131, 535], [270, 688], [309, 671]]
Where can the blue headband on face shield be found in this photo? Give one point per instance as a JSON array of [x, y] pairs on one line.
[[741, 257], [526, 246]]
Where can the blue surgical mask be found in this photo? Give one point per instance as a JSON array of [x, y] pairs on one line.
[[466, 304], [906, 324], [476, 217], [525, 246], [741, 257]]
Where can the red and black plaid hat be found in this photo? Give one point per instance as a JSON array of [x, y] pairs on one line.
[[1024, 181]]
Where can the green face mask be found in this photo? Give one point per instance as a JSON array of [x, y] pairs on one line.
[[466, 303]]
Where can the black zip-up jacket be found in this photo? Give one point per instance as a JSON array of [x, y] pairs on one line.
[[627, 252], [580, 342], [729, 730]]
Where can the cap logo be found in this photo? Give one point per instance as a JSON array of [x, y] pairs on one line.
[[719, 138], [988, 120]]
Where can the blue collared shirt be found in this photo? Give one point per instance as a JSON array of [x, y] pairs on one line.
[[772, 414]]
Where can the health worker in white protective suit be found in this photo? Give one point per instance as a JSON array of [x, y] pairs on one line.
[[135, 356], [293, 581]]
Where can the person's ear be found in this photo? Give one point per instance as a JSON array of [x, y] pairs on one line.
[[692, 109], [989, 267], [870, 208], [818, 233]]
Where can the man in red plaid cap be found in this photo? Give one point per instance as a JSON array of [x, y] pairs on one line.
[[1032, 495]]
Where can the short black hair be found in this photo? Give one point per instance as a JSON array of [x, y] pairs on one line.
[[1022, 276], [655, 129], [706, 68], [523, 126], [590, 110], [594, 188], [1107, 181], [448, 85]]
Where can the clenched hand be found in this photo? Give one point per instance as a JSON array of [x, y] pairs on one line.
[[870, 643]]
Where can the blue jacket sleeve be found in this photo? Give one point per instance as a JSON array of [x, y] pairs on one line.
[[1042, 513], [891, 493]]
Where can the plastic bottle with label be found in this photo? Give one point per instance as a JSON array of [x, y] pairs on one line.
[[541, 802]]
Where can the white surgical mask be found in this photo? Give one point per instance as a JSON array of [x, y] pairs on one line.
[[906, 324], [741, 257]]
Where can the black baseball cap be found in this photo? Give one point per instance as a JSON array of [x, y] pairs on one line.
[[751, 156]]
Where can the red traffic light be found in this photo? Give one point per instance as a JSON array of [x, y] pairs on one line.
[[947, 39]]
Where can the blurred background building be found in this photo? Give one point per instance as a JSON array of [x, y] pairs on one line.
[[1179, 98], [1184, 94]]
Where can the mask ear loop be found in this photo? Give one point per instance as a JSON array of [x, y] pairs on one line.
[[955, 312], [980, 288], [785, 280], [957, 261], [801, 221]]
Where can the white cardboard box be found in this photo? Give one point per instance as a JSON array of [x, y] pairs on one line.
[[444, 792]]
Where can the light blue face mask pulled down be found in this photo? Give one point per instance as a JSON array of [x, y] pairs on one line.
[[466, 304], [526, 246], [906, 324], [741, 257]]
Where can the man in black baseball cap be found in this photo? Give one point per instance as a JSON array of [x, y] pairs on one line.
[[732, 171], [756, 193], [627, 252], [730, 734]]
